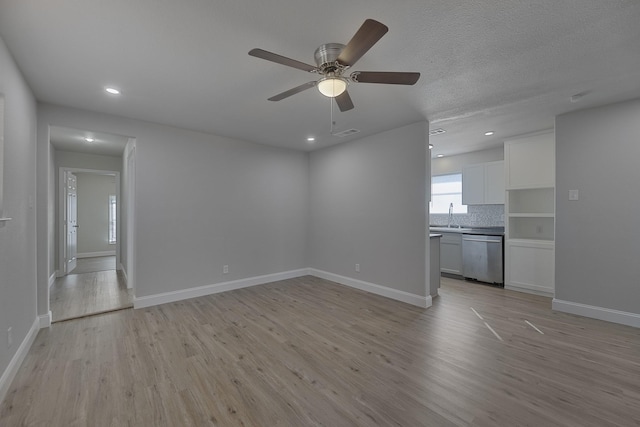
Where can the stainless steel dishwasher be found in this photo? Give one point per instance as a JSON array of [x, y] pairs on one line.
[[482, 258]]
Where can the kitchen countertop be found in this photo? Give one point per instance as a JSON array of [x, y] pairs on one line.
[[487, 231], [434, 235]]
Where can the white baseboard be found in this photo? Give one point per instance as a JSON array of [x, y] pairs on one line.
[[384, 291], [52, 278], [151, 300], [167, 297], [601, 313], [95, 254], [530, 289], [18, 358], [45, 320], [126, 278]]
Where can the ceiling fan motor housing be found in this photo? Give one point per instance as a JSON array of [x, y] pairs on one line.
[[326, 58]]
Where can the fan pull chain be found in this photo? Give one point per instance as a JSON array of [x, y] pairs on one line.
[[333, 123]]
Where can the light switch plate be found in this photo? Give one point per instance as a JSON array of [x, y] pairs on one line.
[[573, 194]]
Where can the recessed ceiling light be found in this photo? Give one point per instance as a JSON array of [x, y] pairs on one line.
[[311, 139], [430, 146], [440, 155], [112, 90], [489, 133], [89, 139]]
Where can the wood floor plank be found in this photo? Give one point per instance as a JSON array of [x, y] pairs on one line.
[[309, 352], [79, 295], [94, 264]]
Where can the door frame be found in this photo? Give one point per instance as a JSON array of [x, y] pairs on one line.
[[62, 210], [130, 195]]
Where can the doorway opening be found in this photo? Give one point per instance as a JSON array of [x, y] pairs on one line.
[[89, 280], [93, 235]]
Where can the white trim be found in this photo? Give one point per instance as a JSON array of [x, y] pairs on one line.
[[529, 288], [413, 299], [601, 313], [173, 296], [12, 369], [44, 320], [167, 297], [52, 278], [95, 254], [124, 274]]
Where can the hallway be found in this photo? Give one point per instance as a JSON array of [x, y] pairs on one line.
[[93, 287]]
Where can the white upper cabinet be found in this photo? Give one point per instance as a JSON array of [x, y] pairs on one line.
[[483, 184], [473, 185], [494, 183], [530, 161]]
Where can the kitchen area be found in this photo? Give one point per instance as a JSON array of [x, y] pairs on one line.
[[493, 214]]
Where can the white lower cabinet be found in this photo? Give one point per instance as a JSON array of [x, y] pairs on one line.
[[529, 266], [451, 253]]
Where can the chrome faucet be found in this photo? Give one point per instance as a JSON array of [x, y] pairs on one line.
[[450, 221]]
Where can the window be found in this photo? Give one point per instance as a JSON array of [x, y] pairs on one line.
[[446, 189], [112, 219]]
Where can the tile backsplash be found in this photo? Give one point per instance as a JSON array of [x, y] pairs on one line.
[[476, 216]]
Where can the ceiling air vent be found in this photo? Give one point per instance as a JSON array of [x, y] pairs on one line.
[[436, 131], [346, 133]]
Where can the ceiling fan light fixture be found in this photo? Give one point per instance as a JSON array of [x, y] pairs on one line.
[[332, 86]]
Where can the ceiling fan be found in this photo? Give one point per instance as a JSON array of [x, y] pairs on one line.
[[334, 59]]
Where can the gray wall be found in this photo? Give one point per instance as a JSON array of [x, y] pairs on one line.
[[597, 239], [17, 237], [203, 201], [368, 206], [93, 212], [454, 164], [68, 159]]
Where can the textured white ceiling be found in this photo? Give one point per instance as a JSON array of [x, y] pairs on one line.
[[507, 66]]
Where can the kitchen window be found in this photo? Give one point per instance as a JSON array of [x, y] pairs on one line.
[[446, 189], [112, 219]]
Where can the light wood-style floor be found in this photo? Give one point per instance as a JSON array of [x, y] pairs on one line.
[[79, 295], [93, 264], [307, 352]]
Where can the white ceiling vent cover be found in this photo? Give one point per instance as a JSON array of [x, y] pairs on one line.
[[436, 131], [346, 133]]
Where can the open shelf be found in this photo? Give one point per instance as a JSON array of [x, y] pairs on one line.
[[532, 201], [532, 228]]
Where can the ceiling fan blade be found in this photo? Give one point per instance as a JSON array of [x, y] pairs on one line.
[[279, 59], [386, 77], [293, 91], [368, 35], [344, 101]]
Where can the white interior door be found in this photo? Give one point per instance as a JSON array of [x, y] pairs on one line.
[[71, 221]]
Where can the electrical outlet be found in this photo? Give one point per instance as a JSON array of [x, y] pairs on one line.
[[9, 338], [225, 269], [357, 268]]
